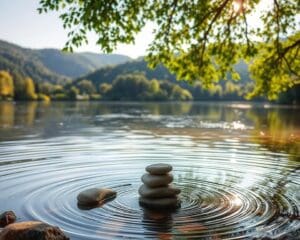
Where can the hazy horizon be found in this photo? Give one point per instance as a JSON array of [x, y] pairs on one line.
[[76, 51]]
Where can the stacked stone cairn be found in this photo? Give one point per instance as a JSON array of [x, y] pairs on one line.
[[156, 192]]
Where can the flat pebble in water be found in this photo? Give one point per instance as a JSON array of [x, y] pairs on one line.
[[95, 196]]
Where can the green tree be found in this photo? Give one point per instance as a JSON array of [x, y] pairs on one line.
[[58, 89], [6, 85], [104, 88], [86, 87], [232, 91], [216, 92], [154, 86], [43, 97], [130, 87], [73, 93], [46, 88], [19, 85], [29, 89], [198, 40], [180, 94]]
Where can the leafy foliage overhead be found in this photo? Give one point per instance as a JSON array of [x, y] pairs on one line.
[[197, 39]]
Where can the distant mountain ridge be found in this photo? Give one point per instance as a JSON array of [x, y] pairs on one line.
[[77, 64], [22, 62], [52, 65]]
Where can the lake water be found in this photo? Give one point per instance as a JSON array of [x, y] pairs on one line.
[[237, 165]]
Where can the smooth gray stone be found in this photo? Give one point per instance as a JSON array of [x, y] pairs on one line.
[[159, 169], [157, 180], [160, 203], [94, 196], [160, 192]]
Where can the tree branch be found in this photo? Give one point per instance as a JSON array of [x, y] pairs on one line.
[[246, 31], [170, 19], [206, 33], [282, 55], [277, 10]]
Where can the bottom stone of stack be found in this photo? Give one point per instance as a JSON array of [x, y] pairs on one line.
[[159, 192], [160, 203]]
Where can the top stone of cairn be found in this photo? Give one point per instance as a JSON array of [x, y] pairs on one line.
[[159, 169]]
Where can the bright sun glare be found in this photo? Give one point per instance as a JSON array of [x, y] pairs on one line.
[[237, 5]]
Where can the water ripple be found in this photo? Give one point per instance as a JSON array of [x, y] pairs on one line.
[[229, 190]]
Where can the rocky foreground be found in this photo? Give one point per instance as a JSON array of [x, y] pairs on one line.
[[155, 193], [32, 230]]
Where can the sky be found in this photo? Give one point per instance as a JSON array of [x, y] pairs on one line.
[[20, 23]]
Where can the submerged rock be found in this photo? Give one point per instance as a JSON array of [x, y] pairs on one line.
[[157, 180], [95, 196], [159, 169], [6, 218], [160, 192], [32, 231]]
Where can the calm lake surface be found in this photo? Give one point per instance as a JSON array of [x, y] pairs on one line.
[[237, 164]]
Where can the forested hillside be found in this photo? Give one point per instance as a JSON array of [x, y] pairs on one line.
[[22, 62], [52, 65], [226, 90], [108, 74], [46, 74]]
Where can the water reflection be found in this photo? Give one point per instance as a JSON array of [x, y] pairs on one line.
[[237, 166], [158, 222], [19, 120], [7, 113], [273, 125], [278, 130]]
